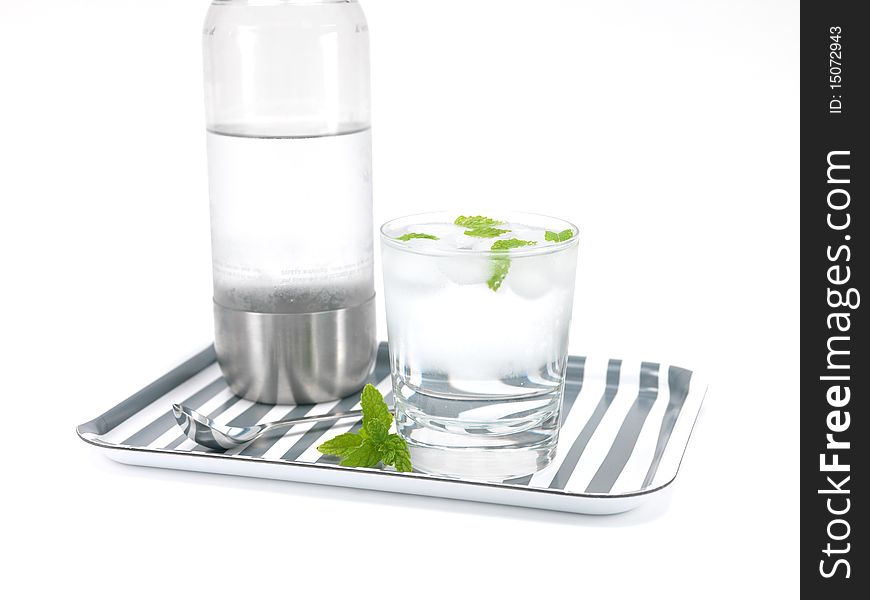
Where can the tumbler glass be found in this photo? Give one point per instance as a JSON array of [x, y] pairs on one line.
[[478, 340]]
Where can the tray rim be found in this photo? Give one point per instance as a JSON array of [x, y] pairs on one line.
[[89, 432]]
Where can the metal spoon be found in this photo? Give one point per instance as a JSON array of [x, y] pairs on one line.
[[206, 432]]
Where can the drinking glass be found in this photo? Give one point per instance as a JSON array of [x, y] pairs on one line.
[[478, 342]]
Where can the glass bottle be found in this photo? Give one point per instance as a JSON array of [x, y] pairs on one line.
[[289, 152]]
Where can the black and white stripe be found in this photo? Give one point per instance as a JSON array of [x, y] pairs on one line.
[[624, 424]]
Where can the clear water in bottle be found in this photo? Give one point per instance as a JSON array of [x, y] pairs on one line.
[[278, 204]]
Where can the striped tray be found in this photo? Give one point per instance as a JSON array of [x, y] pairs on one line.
[[625, 427]]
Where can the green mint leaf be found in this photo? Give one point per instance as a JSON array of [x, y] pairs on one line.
[[375, 430], [486, 232], [500, 268], [376, 415], [392, 445], [341, 445], [502, 264], [562, 236], [366, 454], [373, 444], [395, 452], [476, 222], [417, 236], [511, 244]]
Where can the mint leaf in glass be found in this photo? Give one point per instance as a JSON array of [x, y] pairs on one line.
[[476, 222], [417, 236], [502, 264], [480, 226], [486, 232], [562, 236], [373, 444], [511, 244], [500, 268]]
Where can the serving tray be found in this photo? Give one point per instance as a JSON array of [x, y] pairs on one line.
[[625, 427]]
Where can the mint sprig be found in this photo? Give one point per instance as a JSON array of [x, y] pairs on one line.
[[562, 236], [374, 443], [502, 264], [417, 236], [484, 227]]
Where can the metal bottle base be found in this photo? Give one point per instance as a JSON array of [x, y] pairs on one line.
[[296, 358]]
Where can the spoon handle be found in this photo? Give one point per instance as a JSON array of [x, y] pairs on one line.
[[316, 419]]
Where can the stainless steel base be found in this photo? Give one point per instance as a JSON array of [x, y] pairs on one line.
[[296, 358]]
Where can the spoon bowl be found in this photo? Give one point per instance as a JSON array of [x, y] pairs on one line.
[[205, 432]]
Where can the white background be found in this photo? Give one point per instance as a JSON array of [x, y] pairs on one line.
[[667, 130]]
